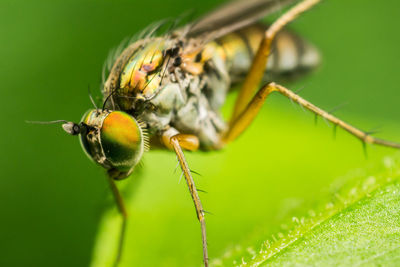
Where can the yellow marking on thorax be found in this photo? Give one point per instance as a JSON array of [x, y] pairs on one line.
[[196, 67], [136, 73]]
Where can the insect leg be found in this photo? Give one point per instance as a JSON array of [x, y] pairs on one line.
[[175, 142], [121, 207], [259, 63], [247, 116], [186, 141]]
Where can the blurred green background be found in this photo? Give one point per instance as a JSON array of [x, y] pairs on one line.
[[52, 197]]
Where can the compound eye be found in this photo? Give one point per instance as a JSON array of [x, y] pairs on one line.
[[87, 138], [122, 140]]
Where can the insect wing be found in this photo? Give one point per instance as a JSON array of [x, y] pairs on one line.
[[233, 16]]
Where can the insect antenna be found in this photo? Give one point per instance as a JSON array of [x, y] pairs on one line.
[[47, 122], [71, 128]]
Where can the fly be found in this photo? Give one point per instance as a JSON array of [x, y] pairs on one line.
[[167, 91]]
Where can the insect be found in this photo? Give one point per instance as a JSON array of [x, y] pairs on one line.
[[166, 91]]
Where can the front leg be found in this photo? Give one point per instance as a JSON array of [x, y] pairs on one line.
[[122, 209], [189, 142]]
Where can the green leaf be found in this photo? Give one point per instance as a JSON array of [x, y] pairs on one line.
[[359, 227], [280, 182], [365, 233]]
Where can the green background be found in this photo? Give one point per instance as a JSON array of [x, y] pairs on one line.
[[52, 197]]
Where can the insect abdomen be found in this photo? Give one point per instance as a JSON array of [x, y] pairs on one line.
[[290, 53]]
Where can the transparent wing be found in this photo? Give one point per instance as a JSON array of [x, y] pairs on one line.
[[233, 16]]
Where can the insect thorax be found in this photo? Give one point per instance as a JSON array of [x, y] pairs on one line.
[[162, 94], [165, 82]]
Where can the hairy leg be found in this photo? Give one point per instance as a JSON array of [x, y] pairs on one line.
[[252, 109], [257, 69], [176, 142]]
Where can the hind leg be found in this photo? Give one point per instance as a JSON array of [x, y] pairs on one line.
[[249, 113], [257, 69]]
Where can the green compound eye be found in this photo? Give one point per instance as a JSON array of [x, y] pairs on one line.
[[114, 140], [122, 140]]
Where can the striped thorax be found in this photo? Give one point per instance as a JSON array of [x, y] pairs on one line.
[[179, 82]]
